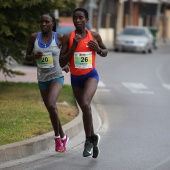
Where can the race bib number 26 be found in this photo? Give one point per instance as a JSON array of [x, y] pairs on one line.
[[83, 60]]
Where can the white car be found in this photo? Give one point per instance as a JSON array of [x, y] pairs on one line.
[[133, 38]]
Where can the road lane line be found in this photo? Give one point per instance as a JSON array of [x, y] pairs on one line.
[[137, 88], [158, 73], [164, 161], [101, 89], [167, 86], [101, 84]]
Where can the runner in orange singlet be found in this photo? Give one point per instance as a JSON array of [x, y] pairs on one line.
[[79, 49]]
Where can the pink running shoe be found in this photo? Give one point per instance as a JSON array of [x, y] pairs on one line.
[[64, 141], [59, 146]]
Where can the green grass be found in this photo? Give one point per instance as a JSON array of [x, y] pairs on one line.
[[23, 114]]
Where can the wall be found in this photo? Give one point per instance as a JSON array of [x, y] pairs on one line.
[[65, 19], [168, 23], [107, 34]]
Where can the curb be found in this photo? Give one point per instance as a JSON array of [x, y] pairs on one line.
[[40, 143], [19, 150]]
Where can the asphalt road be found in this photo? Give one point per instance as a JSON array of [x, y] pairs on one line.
[[133, 96]]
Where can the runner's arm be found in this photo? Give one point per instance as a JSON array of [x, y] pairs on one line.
[[98, 45], [66, 53], [29, 53]]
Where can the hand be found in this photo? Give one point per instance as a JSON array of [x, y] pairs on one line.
[[94, 45], [76, 40], [39, 55], [66, 68]]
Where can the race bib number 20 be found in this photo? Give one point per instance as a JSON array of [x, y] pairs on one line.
[[46, 61], [83, 60]]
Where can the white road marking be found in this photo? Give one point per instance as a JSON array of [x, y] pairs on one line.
[[162, 162], [137, 88], [101, 84], [101, 88], [167, 86]]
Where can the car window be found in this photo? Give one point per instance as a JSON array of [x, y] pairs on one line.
[[134, 31]]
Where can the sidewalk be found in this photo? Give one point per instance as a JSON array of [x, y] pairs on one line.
[[19, 150], [30, 74]]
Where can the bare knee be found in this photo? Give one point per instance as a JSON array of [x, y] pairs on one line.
[[85, 107], [51, 108]]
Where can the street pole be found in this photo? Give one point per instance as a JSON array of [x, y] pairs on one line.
[[100, 15], [130, 12], [90, 14], [158, 14], [92, 5]]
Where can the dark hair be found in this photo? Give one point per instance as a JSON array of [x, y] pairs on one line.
[[82, 10], [53, 18]]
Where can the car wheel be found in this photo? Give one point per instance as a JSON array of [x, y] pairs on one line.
[[144, 52], [116, 50], [150, 50]]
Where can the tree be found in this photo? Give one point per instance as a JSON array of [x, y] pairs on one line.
[[19, 18]]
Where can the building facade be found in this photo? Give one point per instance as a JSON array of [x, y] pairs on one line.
[[103, 14]]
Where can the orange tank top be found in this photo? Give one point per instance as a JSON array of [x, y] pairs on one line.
[[83, 59]]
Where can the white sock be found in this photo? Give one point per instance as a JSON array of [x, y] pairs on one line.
[[64, 137], [57, 136]]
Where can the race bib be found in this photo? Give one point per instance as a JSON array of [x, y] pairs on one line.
[[46, 61], [83, 60]]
